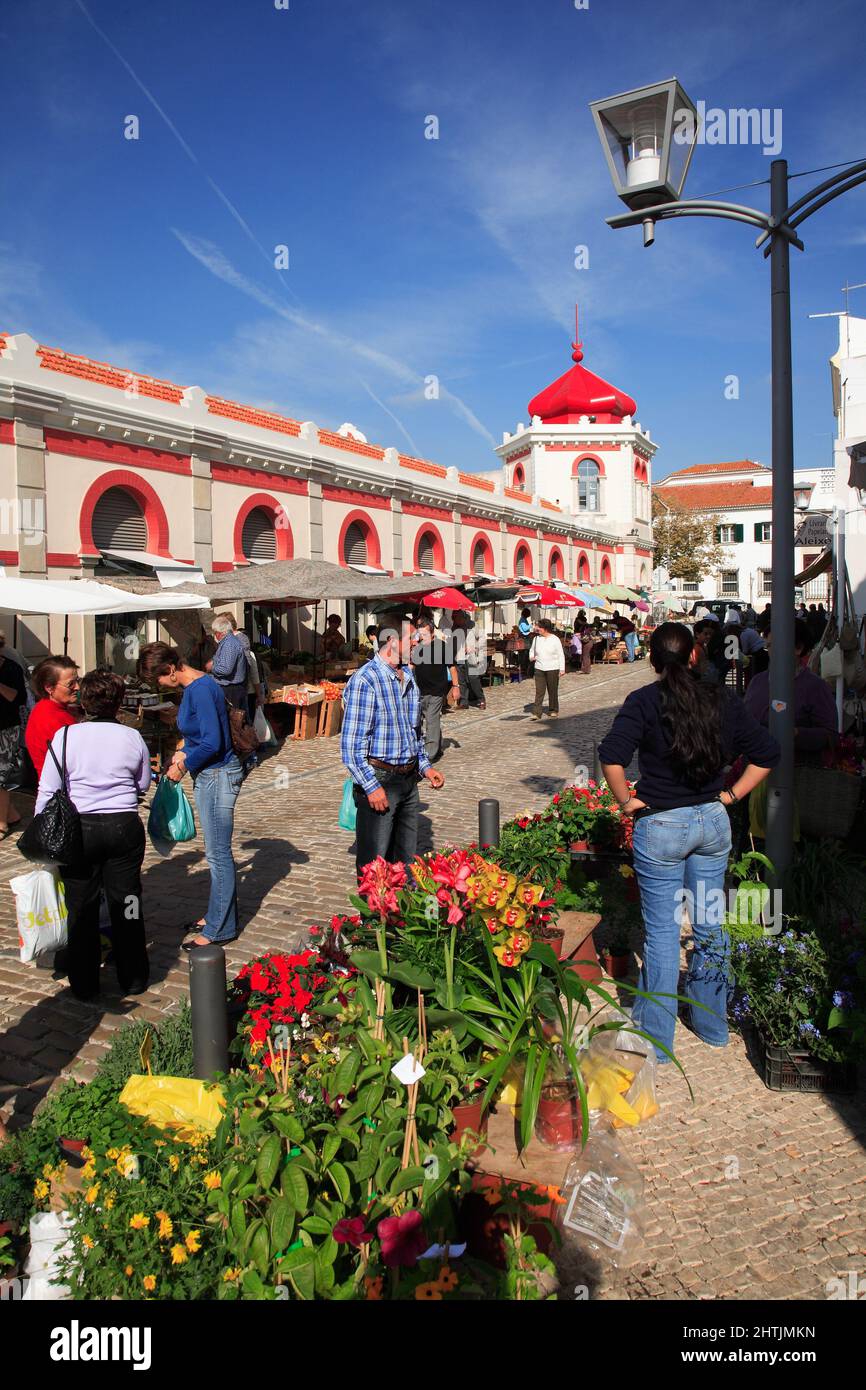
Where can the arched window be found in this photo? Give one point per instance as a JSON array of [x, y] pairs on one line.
[[644, 576], [583, 568], [522, 562], [557, 569], [588, 486], [355, 545], [519, 477], [427, 551], [119, 522], [481, 560], [259, 537], [605, 570]]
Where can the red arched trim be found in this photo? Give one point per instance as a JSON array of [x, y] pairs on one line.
[[484, 541], [438, 547], [521, 545], [374, 552], [155, 518], [556, 554], [518, 477], [282, 529], [583, 570], [640, 471], [605, 570], [593, 458]]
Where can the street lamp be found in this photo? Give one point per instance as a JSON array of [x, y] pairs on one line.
[[638, 132]]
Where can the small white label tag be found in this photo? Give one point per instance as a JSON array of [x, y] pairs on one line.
[[408, 1070]]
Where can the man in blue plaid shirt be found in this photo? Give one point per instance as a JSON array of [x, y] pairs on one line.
[[382, 747]]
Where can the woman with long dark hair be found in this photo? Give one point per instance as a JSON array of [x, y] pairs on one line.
[[685, 732]]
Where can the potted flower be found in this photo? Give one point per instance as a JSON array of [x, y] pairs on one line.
[[559, 1121], [616, 955]]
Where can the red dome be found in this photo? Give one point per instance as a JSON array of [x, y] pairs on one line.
[[580, 392]]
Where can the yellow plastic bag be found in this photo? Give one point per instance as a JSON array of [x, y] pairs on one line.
[[174, 1102]]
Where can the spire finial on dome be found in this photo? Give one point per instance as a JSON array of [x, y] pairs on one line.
[[577, 348]]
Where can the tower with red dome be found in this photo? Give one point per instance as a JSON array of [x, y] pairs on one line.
[[584, 450]]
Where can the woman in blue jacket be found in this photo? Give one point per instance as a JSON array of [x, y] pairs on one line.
[[208, 756]]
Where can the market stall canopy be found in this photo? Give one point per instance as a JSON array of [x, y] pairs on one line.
[[494, 593], [822, 565], [590, 600], [88, 598], [617, 593], [547, 597], [451, 599], [291, 581]]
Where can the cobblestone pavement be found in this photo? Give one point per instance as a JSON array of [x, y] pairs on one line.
[[749, 1193]]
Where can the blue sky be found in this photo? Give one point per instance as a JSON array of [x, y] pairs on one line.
[[412, 257]]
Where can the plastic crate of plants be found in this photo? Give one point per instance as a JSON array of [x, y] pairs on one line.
[[794, 1069]]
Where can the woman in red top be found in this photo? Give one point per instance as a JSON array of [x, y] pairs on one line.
[[55, 681]]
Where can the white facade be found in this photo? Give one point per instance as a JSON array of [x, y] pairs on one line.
[[848, 377]]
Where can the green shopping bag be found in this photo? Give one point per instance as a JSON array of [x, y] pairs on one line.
[[348, 811], [171, 820]]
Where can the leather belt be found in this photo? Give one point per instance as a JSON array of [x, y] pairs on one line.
[[394, 767]]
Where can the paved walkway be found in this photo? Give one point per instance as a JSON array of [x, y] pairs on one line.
[[749, 1193]]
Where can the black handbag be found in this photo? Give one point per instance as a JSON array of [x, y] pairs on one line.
[[54, 835]]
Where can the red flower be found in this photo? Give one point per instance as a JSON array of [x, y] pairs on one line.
[[379, 883], [403, 1238], [350, 1231]]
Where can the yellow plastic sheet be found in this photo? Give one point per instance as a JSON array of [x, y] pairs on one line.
[[174, 1102]]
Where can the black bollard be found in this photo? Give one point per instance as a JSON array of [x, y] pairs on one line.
[[597, 774], [488, 821], [207, 997]]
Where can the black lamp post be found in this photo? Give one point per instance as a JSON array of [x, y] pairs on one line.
[[648, 137]]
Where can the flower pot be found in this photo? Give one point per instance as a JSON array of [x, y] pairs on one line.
[[554, 940], [579, 846], [468, 1115], [579, 950], [484, 1229], [617, 966], [7, 1228], [559, 1121], [71, 1148]]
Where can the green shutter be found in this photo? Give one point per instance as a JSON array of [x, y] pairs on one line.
[[718, 535], [738, 533]]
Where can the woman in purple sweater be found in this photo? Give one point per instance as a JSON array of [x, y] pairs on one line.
[[107, 773]]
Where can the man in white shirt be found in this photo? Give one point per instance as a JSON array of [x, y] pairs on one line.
[[548, 654]]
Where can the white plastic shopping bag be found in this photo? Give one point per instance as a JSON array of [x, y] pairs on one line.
[[40, 906], [263, 729], [49, 1241]]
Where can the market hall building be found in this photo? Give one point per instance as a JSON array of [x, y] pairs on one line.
[[110, 472]]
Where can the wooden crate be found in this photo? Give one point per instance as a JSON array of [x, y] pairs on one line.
[[331, 718]]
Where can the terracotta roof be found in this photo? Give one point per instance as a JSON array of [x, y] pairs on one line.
[[518, 494], [353, 446], [249, 415], [718, 497], [55, 360], [422, 466], [743, 466], [472, 480], [551, 506]]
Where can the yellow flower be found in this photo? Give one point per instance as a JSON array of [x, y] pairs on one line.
[[47, 1171], [87, 1242], [231, 1275], [110, 1199], [128, 1271], [139, 1222], [149, 1282], [193, 1242], [91, 1194], [112, 1154], [178, 1255], [166, 1227], [89, 1170], [305, 1058], [160, 1143], [173, 1162], [40, 1190], [626, 870], [520, 941], [506, 956], [212, 1179]]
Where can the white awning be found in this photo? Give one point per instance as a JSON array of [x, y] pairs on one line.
[[368, 569], [86, 597]]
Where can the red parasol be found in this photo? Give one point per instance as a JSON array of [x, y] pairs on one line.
[[548, 597], [448, 598]]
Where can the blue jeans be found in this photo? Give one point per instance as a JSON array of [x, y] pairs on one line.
[[683, 849], [216, 791], [631, 644]]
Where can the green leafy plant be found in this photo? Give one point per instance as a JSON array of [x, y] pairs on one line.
[[170, 1050]]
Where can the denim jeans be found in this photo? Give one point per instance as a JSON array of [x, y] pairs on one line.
[[683, 849], [216, 791], [631, 644], [391, 834]]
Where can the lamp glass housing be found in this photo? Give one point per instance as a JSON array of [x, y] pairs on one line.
[[648, 137]]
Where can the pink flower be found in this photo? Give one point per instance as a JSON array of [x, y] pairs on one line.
[[402, 1238], [455, 916], [379, 883], [350, 1231]]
